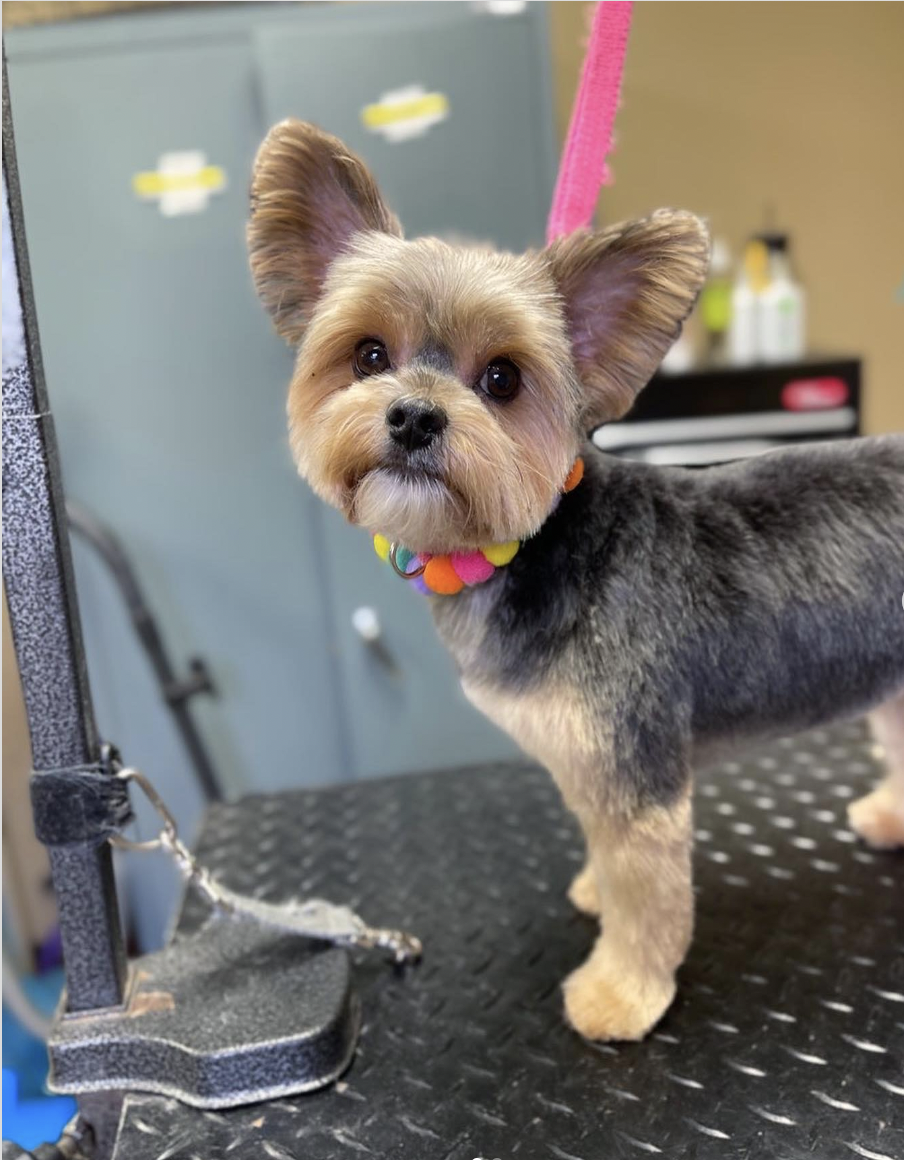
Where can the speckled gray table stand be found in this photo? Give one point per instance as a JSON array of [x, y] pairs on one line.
[[785, 1043], [227, 1015]]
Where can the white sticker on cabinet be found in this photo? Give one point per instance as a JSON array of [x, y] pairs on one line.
[[405, 113], [183, 182]]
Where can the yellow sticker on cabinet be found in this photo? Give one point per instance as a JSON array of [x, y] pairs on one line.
[[183, 182], [404, 113]]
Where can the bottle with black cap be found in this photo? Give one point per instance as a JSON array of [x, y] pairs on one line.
[[781, 315]]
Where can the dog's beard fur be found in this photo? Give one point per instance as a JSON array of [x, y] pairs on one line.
[[475, 488]]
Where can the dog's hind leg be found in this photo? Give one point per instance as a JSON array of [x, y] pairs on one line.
[[583, 894], [879, 816], [643, 872]]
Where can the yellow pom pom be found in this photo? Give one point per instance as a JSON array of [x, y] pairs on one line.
[[381, 547], [501, 554]]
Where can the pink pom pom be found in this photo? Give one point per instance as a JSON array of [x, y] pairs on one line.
[[472, 567]]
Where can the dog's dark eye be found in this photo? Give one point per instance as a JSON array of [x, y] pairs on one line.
[[501, 379], [371, 357]]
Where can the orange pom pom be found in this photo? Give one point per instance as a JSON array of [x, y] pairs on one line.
[[441, 578], [574, 477]]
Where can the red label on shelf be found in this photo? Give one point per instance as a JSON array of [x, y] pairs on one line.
[[815, 394]]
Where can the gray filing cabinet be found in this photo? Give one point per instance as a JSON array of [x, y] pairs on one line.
[[169, 387]]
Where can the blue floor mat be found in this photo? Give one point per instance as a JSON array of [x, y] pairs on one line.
[[31, 1115]]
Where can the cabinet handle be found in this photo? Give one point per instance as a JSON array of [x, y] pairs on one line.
[[366, 623]]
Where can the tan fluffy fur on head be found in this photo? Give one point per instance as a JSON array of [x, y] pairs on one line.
[[499, 465], [585, 321]]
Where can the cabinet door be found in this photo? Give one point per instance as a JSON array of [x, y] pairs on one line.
[[169, 391], [485, 171]]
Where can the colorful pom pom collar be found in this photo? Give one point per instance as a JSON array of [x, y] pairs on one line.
[[448, 575]]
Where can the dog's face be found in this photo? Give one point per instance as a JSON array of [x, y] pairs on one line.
[[441, 392]]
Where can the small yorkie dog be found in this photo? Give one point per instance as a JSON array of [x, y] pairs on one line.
[[622, 629]]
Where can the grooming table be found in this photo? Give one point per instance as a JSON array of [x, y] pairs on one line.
[[786, 1040]]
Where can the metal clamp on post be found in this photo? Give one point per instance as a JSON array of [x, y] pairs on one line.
[[86, 804]]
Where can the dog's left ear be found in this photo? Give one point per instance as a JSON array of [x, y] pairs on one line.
[[310, 195], [627, 289]]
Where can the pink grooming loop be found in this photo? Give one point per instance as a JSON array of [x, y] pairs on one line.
[[583, 170]]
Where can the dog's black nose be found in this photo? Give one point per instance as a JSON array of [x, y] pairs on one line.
[[414, 424]]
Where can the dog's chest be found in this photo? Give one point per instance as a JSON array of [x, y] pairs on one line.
[[544, 712]]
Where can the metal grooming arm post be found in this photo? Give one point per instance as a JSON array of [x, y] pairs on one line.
[[40, 594]]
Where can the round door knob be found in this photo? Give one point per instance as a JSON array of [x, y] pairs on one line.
[[366, 624]]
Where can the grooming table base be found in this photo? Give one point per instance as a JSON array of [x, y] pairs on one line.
[[232, 1014], [786, 1040]]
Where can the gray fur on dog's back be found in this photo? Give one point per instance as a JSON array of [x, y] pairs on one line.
[[801, 573], [693, 607]]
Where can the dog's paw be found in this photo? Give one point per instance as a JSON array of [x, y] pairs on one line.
[[599, 1007], [583, 894], [879, 819]]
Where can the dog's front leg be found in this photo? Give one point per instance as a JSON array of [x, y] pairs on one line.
[[583, 892], [642, 865], [639, 856]]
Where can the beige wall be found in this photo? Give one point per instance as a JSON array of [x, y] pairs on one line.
[[729, 107], [19, 12]]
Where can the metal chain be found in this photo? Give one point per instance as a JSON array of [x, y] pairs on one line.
[[312, 918]]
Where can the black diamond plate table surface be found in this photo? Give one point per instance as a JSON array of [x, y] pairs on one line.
[[786, 1040]]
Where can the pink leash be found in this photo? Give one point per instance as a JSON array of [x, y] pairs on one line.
[[583, 169]]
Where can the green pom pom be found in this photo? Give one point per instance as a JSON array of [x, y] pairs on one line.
[[403, 558]]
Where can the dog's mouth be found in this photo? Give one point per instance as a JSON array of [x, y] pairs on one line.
[[408, 473], [399, 471]]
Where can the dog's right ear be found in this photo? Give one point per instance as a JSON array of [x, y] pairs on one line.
[[309, 196]]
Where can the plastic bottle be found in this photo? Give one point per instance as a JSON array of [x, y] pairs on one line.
[[782, 307], [679, 358], [744, 329], [715, 303]]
